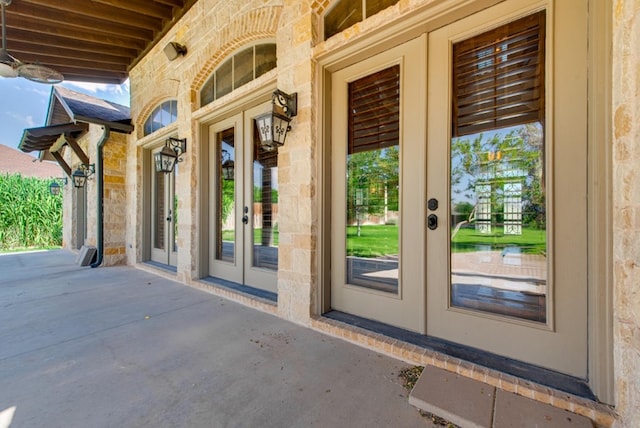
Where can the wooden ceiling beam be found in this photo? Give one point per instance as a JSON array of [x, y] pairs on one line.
[[73, 20], [49, 29], [79, 45], [145, 7], [92, 76], [19, 49], [56, 62], [94, 10], [174, 3]]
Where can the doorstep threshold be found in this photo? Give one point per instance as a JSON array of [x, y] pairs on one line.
[[471, 403], [519, 369]]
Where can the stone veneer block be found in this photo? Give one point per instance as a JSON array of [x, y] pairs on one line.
[[513, 410], [462, 401]]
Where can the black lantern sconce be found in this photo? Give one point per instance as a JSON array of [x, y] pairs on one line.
[[228, 166], [166, 158], [54, 187], [81, 174], [273, 126]]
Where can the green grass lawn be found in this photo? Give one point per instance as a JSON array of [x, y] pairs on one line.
[[530, 241], [380, 240], [374, 241], [227, 235]]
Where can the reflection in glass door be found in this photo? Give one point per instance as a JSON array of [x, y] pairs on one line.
[[164, 221], [226, 203], [499, 222], [264, 196]]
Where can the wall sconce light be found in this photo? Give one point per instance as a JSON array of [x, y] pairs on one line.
[[173, 50], [54, 187], [228, 166], [81, 174], [274, 125], [166, 158]]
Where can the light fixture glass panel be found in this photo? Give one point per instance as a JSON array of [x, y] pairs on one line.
[[280, 128], [264, 122], [265, 206]]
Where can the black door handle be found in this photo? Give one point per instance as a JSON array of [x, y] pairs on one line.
[[432, 222], [245, 219]]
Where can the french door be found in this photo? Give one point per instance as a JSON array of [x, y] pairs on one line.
[[243, 203], [485, 244], [378, 164], [164, 217]]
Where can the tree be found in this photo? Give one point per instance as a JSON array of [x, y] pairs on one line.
[[372, 182], [485, 167]]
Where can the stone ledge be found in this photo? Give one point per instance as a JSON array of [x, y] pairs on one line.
[[600, 414]]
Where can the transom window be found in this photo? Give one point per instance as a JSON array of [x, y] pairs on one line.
[[240, 69], [345, 13], [163, 115]]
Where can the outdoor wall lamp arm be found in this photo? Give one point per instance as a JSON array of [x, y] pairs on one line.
[[82, 173], [274, 125], [166, 158]]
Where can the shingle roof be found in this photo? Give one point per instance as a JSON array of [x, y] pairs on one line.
[[13, 161], [85, 107], [68, 110]]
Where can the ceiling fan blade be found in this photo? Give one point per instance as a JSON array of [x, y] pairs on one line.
[[40, 73], [12, 67]]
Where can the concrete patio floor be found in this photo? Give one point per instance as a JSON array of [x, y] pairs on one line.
[[121, 347]]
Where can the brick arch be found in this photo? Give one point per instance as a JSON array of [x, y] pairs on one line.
[[146, 111], [257, 24]]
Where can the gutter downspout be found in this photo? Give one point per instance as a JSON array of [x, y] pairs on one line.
[[100, 193]]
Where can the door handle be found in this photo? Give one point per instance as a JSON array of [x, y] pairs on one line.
[[245, 217], [432, 222]]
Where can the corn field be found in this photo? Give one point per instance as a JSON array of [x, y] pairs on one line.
[[29, 215]]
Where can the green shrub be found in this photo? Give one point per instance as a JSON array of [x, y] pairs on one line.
[[30, 216]]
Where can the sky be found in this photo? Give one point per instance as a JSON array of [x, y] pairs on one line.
[[24, 104]]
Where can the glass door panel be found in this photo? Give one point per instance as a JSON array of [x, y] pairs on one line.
[[265, 206], [164, 217], [159, 213], [226, 204], [373, 171], [378, 160], [498, 212], [507, 261], [244, 203]]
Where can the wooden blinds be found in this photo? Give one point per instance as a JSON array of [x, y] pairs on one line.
[[374, 111], [498, 77]]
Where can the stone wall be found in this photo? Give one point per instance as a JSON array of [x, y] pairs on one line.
[[213, 29], [626, 208], [115, 201], [114, 196]]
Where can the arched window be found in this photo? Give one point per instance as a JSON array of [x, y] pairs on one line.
[[344, 13], [163, 115], [238, 70]]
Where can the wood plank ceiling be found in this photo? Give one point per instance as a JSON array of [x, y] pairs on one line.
[[89, 40]]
